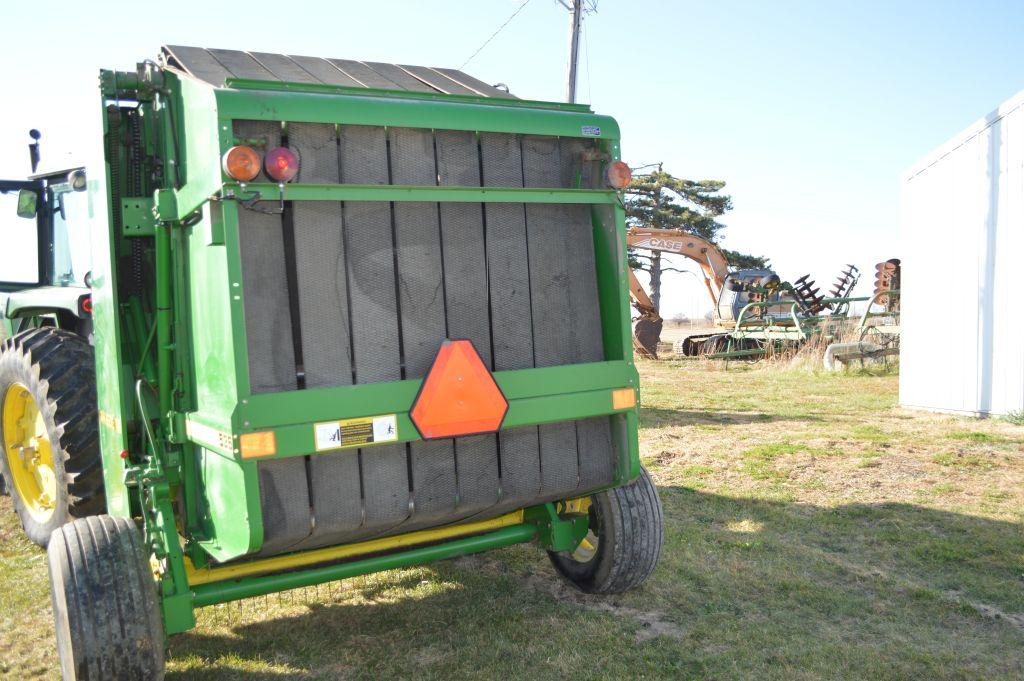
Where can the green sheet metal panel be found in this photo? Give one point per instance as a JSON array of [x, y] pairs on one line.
[[111, 388]]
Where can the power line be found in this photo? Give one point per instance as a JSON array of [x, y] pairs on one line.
[[478, 50], [647, 165]]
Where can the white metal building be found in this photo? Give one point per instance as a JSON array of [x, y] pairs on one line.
[[962, 345]]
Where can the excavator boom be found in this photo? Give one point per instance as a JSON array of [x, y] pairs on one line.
[[712, 262]]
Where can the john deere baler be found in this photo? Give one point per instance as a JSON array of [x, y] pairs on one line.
[[350, 316]]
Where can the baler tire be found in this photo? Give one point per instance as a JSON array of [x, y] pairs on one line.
[[56, 368], [105, 605], [629, 531]]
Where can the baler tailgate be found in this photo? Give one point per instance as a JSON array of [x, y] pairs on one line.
[[381, 285]]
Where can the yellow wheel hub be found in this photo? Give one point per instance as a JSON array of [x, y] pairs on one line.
[[29, 456], [588, 547]]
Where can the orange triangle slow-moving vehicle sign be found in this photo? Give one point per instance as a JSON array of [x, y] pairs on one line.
[[459, 395]]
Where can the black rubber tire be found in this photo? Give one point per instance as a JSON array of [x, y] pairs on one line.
[[629, 525], [57, 368], [105, 606]]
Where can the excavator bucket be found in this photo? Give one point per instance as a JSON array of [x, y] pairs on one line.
[[646, 336]]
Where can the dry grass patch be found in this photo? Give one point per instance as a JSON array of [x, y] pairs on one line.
[[813, 531]]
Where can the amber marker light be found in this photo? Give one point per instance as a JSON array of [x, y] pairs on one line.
[[281, 164], [241, 163], [262, 443], [618, 175], [623, 398]]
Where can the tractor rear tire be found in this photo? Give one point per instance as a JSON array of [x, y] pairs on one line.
[[50, 373], [628, 526], [105, 606]]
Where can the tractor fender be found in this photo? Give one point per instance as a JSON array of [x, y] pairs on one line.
[[62, 302]]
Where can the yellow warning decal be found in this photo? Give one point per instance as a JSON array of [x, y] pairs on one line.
[[358, 432]]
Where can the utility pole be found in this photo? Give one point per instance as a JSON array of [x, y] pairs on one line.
[[575, 22]]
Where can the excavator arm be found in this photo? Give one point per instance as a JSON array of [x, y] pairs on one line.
[[641, 301], [647, 327], [712, 262]]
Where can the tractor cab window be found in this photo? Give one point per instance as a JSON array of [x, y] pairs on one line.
[[70, 235], [19, 243]]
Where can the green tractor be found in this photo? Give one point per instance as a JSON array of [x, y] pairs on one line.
[[346, 317], [51, 462]]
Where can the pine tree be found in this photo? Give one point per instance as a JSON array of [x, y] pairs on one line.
[[657, 200]]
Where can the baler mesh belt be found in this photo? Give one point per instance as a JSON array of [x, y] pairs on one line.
[[381, 285]]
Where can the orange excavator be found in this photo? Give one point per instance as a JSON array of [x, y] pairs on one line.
[[713, 264], [731, 291]]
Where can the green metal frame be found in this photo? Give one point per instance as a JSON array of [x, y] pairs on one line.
[[889, 329], [755, 323], [186, 421]]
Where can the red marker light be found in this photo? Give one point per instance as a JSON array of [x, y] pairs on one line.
[[618, 175], [281, 164], [87, 305]]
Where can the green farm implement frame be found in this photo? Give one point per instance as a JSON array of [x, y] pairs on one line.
[[264, 343], [878, 333], [759, 332], [196, 210]]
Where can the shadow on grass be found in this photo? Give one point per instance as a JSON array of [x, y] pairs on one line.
[[757, 588], [656, 417]]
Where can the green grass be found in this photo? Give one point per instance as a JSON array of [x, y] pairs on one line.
[[1015, 417], [813, 530], [964, 461], [972, 436], [759, 462]]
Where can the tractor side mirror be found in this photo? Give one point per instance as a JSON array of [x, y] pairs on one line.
[[27, 203]]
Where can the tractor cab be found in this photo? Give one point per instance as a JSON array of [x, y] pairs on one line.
[[44, 260]]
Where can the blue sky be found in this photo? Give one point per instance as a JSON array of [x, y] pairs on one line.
[[810, 111]]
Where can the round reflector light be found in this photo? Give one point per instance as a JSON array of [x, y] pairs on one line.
[[618, 175], [281, 164], [241, 163]]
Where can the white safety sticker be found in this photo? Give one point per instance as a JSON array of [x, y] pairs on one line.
[[357, 432], [590, 131]]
